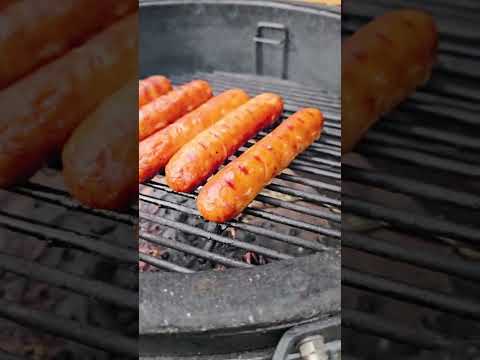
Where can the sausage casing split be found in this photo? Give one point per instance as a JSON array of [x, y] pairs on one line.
[[168, 108], [34, 32], [156, 150], [230, 191], [201, 157], [382, 63], [40, 112], [151, 88], [100, 158]]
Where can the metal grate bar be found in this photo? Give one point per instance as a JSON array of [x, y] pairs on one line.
[[221, 239], [404, 292], [91, 288], [259, 213], [83, 241], [313, 183], [277, 188], [192, 250], [401, 123], [423, 160], [414, 222], [88, 335], [62, 198], [307, 168], [442, 263], [409, 143], [321, 213], [388, 329], [307, 196], [163, 264], [294, 97], [412, 187], [239, 225]]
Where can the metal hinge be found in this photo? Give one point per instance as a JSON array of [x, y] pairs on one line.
[[320, 340], [281, 42]]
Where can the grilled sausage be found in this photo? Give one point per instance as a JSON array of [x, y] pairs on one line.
[[34, 32], [230, 191], [100, 158], [157, 149], [151, 88], [201, 157], [382, 64], [168, 108], [40, 112]]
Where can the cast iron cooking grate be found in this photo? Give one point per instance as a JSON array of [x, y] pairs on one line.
[[411, 204], [86, 264], [298, 214]]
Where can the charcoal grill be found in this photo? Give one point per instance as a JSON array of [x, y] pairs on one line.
[[411, 206], [220, 290]]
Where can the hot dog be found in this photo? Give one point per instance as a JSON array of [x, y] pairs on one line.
[[34, 32], [230, 191], [201, 157], [100, 158], [382, 63], [157, 149], [168, 108], [151, 88], [40, 112]]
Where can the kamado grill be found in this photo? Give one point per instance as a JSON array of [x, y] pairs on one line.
[[232, 290], [410, 198]]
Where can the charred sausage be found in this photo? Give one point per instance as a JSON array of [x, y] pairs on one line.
[[151, 88], [40, 112], [230, 191], [382, 63], [157, 149], [100, 158], [168, 108], [201, 157], [35, 32]]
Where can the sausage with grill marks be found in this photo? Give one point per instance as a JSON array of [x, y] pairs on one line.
[[34, 32], [41, 111], [157, 149], [382, 64], [196, 161], [151, 88], [100, 158], [168, 108], [230, 191]]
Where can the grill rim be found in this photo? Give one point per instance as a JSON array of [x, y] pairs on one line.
[[311, 283]]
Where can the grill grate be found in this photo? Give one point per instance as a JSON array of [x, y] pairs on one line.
[[299, 210], [411, 203], [42, 193]]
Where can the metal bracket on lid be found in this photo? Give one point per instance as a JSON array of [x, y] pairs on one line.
[[282, 42], [318, 340]]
